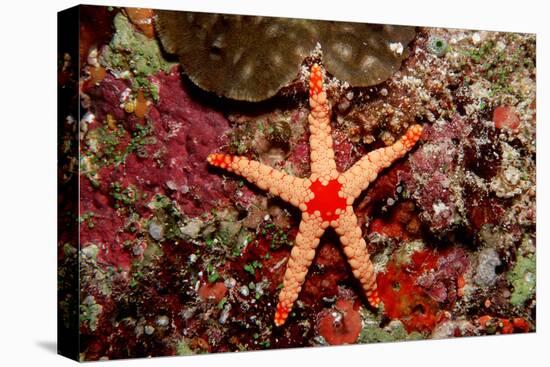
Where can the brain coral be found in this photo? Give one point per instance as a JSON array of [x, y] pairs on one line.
[[250, 57]]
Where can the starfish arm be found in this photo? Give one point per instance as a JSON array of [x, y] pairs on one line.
[[301, 256], [289, 188], [355, 249], [320, 139], [365, 171]]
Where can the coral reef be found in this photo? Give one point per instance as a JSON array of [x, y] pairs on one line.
[[178, 257]]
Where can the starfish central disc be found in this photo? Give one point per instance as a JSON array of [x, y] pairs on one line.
[[327, 200]]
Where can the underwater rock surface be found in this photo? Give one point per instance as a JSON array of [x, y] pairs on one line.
[[178, 258]]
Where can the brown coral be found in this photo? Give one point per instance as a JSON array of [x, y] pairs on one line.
[[229, 54]]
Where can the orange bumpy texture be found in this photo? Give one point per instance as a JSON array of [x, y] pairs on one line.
[[325, 198]]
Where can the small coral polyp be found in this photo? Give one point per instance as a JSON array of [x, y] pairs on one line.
[[325, 198]]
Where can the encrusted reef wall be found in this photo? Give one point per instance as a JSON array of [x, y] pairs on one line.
[[67, 184], [180, 258]]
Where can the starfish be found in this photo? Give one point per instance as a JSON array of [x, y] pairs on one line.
[[325, 198]]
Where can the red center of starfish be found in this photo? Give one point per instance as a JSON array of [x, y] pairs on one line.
[[326, 199]]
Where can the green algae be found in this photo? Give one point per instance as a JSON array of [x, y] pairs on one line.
[[88, 218], [523, 280], [225, 235], [500, 61], [89, 312], [242, 138], [99, 277], [123, 196], [132, 51], [105, 147], [141, 267], [183, 349], [152, 253], [222, 234], [228, 229], [90, 252], [168, 215], [191, 228], [69, 250], [527, 246], [373, 333]]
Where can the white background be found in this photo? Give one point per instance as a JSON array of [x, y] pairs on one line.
[[28, 183]]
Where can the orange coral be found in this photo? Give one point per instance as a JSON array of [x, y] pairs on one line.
[[415, 289], [502, 325], [460, 283], [341, 325], [143, 19], [403, 298], [141, 105], [505, 117], [97, 74], [402, 223], [212, 291], [325, 198]]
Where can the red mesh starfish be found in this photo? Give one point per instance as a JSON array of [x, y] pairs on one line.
[[325, 198]]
